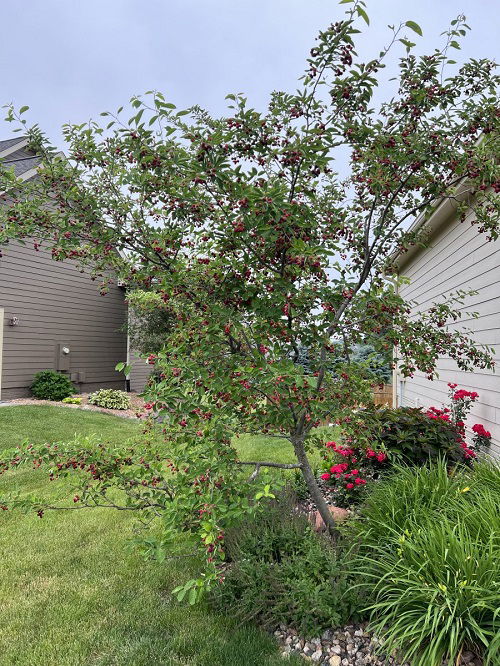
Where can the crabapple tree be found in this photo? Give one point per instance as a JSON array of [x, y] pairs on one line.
[[240, 230]]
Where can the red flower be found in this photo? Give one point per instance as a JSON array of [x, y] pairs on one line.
[[360, 482], [349, 485], [461, 394], [479, 429], [325, 476], [148, 405], [338, 469], [381, 456]]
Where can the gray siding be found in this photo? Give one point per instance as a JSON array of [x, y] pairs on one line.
[[459, 258], [57, 304], [139, 372]]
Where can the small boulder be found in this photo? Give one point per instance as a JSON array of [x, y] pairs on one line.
[[339, 515]]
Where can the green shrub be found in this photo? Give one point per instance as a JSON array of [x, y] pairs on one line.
[[72, 401], [282, 572], [428, 558], [51, 385], [407, 432], [110, 399]]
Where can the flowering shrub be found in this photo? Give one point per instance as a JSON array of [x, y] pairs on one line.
[[347, 479], [406, 433], [460, 404], [415, 435]]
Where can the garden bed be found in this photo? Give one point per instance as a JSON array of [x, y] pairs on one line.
[[136, 405]]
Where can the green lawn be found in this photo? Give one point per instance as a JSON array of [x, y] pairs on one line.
[[71, 594]]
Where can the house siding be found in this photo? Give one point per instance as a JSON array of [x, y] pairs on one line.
[[56, 303], [139, 372], [459, 257]]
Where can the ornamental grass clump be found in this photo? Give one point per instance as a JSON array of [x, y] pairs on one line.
[[428, 558]]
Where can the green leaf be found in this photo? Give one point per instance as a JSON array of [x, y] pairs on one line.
[[23, 109], [407, 43], [120, 366], [180, 592], [414, 26], [363, 14]]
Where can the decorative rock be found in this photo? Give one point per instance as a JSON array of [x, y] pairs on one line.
[[339, 515], [347, 646]]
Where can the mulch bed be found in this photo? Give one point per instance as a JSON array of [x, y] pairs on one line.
[[137, 405]]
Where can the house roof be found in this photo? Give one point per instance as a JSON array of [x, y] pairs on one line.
[[15, 153], [442, 212], [7, 143]]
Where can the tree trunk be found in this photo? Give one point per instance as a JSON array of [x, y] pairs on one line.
[[314, 491]]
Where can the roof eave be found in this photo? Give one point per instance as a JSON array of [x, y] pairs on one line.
[[442, 210]]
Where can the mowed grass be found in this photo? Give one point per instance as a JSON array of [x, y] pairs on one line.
[[73, 594]]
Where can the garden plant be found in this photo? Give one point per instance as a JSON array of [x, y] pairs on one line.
[[240, 229], [51, 385], [110, 399]]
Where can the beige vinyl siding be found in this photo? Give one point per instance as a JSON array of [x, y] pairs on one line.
[[459, 257], [57, 303]]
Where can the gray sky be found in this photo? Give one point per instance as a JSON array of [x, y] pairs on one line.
[[71, 59]]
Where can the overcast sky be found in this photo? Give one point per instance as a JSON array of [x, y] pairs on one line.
[[71, 59]]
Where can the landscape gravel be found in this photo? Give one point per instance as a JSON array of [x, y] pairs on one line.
[[351, 645]]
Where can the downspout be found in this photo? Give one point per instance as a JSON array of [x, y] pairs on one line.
[[395, 282], [395, 369]]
